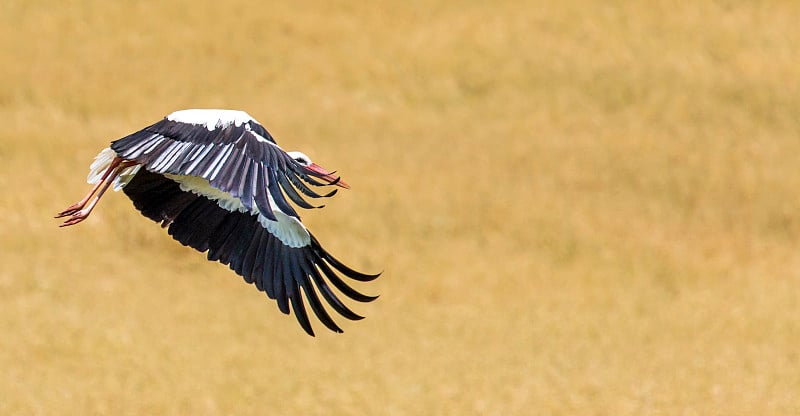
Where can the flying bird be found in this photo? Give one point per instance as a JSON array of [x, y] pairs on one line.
[[218, 182]]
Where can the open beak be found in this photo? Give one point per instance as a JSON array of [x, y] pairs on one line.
[[327, 176]]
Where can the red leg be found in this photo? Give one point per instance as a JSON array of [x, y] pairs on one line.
[[80, 204], [109, 177]]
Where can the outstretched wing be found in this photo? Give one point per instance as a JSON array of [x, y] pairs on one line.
[[230, 150], [293, 276]]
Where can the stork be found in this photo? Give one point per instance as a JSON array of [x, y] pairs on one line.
[[218, 182]]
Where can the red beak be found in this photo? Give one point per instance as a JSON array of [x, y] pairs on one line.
[[327, 176]]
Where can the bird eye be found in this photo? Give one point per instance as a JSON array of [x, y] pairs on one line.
[[301, 161]]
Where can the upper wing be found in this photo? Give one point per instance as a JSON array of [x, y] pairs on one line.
[[229, 149]]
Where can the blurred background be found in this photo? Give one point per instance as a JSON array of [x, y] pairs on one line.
[[579, 208]]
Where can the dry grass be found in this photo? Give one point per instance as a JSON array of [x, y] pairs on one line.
[[580, 208]]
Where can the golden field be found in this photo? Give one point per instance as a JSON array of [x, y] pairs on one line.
[[580, 208]]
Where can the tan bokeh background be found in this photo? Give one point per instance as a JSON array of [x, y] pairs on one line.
[[580, 208]]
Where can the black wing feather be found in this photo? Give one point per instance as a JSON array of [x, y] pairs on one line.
[[283, 205], [234, 171], [295, 180], [251, 258], [267, 265], [262, 202], [279, 285], [295, 297], [342, 286], [292, 193], [326, 291], [246, 188], [353, 274]]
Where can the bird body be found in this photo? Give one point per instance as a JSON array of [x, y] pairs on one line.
[[218, 182]]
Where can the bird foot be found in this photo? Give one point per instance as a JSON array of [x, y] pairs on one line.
[[77, 216], [70, 210]]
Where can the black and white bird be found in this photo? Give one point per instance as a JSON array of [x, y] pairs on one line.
[[218, 182]]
